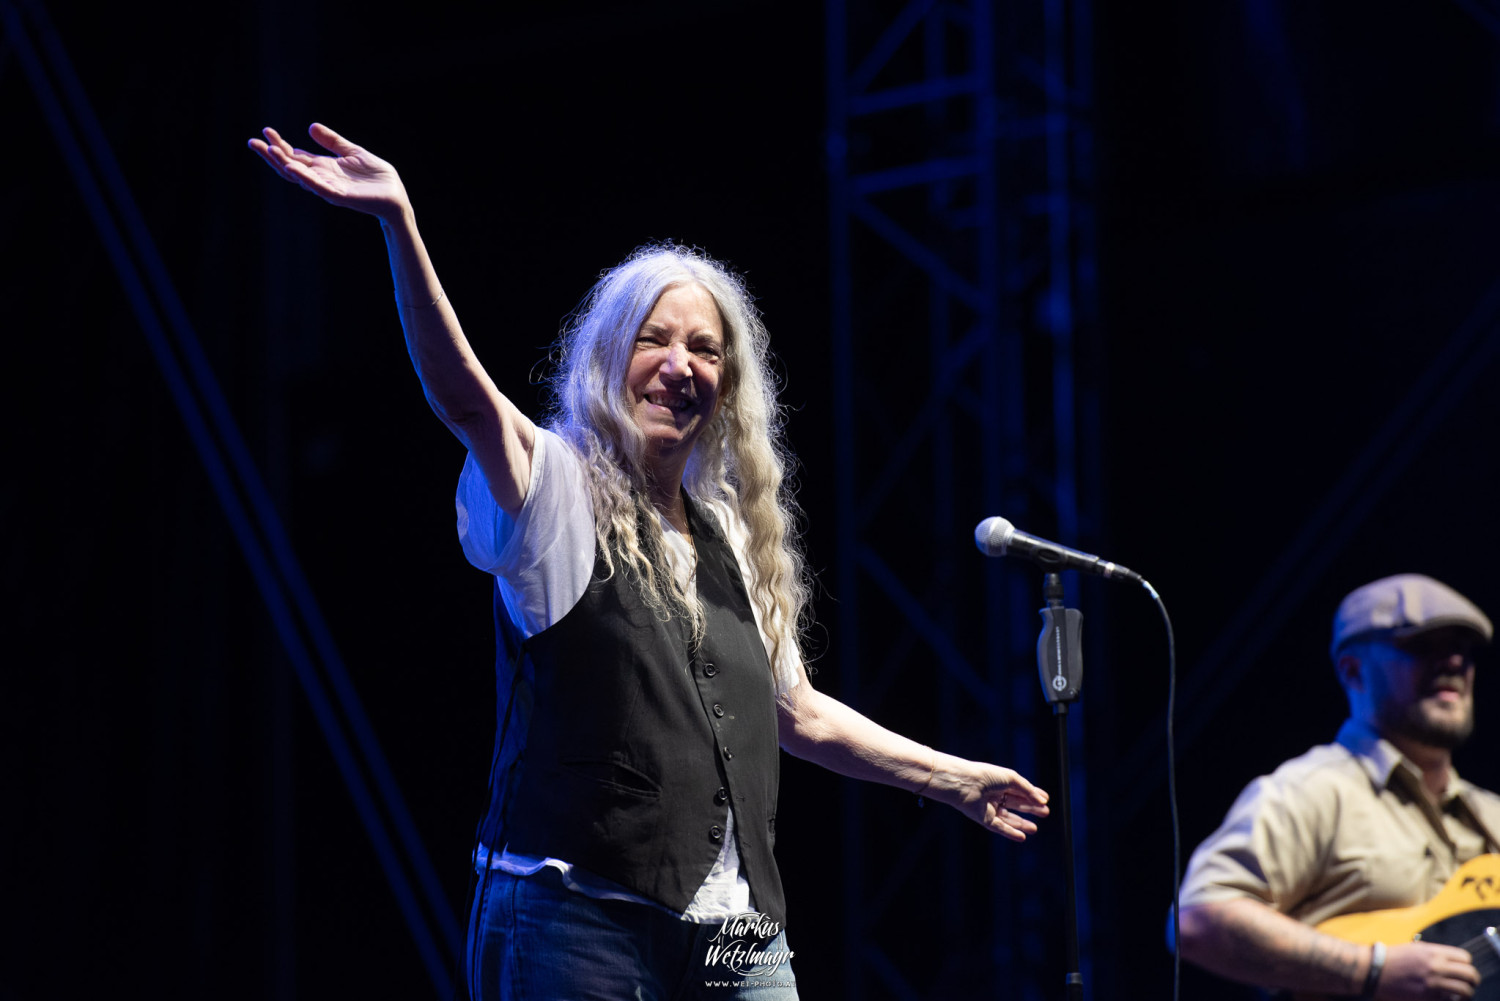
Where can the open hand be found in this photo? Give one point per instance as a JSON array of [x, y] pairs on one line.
[[352, 177], [995, 798]]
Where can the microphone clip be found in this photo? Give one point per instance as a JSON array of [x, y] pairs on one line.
[[1059, 648]]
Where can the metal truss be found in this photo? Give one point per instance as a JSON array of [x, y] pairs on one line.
[[959, 153]]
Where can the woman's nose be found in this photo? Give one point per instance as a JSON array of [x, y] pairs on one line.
[[676, 361]]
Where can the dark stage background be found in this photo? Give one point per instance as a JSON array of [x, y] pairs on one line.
[[1297, 205]]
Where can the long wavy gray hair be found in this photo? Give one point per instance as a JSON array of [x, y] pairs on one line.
[[741, 458]]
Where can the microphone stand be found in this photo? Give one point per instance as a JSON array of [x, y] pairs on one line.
[[1059, 660]]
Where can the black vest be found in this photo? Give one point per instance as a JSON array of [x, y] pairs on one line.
[[637, 742]]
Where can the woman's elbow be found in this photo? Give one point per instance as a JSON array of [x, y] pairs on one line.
[[798, 726]]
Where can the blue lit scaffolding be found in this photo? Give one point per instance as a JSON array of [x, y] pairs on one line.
[[962, 236]]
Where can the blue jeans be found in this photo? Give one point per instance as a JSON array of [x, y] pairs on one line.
[[533, 939]]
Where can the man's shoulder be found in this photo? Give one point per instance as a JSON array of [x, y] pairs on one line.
[[1485, 805], [1479, 794], [1316, 770], [1316, 759]]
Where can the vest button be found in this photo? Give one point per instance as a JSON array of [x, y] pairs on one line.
[[709, 670], [722, 796], [728, 754], [718, 709], [716, 832]]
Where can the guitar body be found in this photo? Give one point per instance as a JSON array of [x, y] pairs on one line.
[[1475, 887], [1459, 915]]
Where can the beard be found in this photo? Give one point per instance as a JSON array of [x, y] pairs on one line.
[[1416, 723]]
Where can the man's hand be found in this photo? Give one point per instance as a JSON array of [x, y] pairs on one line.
[[1423, 971]]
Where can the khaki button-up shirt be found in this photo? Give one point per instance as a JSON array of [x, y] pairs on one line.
[[1341, 829]]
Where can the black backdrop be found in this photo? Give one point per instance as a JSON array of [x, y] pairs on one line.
[[1297, 207]]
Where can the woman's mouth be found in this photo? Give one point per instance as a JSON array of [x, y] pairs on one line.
[[668, 401]]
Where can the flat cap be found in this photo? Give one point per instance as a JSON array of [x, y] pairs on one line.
[[1404, 605]]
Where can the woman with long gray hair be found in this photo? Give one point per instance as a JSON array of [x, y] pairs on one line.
[[650, 593]]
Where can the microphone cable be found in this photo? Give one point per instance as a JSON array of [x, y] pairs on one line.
[[1172, 789], [998, 537]]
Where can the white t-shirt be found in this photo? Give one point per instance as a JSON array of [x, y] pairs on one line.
[[543, 559]]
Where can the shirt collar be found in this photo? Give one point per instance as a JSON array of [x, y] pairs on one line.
[[1380, 758]]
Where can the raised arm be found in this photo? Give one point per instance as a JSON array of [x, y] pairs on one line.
[[821, 729], [457, 387]]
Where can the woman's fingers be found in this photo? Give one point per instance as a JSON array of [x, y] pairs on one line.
[[274, 140], [287, 166], [294, 165], [1022, 795], [264, 152], [331, 140], [274, 158], [346, 175], [284, 151], [1007, 823], [274, 150]]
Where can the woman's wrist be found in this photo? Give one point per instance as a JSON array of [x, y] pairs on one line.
[[397, 215], [922, 790]]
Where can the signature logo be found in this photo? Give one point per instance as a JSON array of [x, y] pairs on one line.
[[740, 946]]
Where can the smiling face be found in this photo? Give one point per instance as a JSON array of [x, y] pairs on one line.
[[675, 373], [1420, 688]]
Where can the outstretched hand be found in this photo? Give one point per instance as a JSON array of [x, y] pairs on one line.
[[995, 798], [352, 177]]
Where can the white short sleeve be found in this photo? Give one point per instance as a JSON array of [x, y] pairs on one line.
[[544, 556]]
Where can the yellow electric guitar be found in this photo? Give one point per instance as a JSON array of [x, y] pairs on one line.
[[1466, 914]]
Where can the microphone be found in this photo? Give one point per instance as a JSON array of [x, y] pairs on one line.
[[998, 537]]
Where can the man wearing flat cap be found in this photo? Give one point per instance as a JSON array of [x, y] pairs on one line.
[[1378, 819]]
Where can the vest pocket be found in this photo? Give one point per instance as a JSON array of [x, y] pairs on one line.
[[614, 774]]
